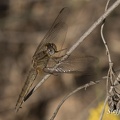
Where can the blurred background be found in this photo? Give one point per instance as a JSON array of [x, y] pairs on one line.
[[23, 24]]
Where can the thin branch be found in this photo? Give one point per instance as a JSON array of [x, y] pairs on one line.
[[102, 36], [93, 26], [103, 109], [81, 39], [110, 62], [73, 92], [110, 74], [106, 46], [70, 94]]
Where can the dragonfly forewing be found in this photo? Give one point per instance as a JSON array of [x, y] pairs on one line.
[[58, 25], [28, 83]]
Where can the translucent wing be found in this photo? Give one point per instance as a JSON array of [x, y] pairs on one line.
[[58, 26], [71, 65], [74, 65]]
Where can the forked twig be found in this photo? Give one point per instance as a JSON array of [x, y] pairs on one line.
[[70, 94], [109, 59]]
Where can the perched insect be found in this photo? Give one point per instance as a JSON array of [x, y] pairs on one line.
[[45, 53]]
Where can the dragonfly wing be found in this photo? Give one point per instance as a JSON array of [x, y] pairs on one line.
[[56, 27], [71, 65], [28, 83], [74, 65]]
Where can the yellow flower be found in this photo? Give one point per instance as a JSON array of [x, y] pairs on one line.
[[95, 113]]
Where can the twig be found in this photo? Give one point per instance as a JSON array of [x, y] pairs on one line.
[[81, 39], [69, 95], [110, 74], [105, 43], [103, 110], [109, 59]]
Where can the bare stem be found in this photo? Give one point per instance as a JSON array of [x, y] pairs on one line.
[[110, 74], [110, 62], [103, 110], [69, 95]]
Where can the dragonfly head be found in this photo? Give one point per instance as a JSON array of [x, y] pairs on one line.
[[51, 48]]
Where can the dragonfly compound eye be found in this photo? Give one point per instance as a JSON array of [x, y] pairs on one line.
[[54, 46], [51, 48]]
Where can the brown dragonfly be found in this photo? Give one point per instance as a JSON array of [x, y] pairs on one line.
[[45, 53]]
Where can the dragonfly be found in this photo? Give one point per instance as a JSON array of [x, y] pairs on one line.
[[45, 53]]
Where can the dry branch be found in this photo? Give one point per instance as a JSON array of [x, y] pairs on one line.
[[81, 39]]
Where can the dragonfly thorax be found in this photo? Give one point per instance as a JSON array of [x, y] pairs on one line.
[[50, 49], [41, 59]]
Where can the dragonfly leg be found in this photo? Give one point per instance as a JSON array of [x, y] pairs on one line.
[[56, 59]]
